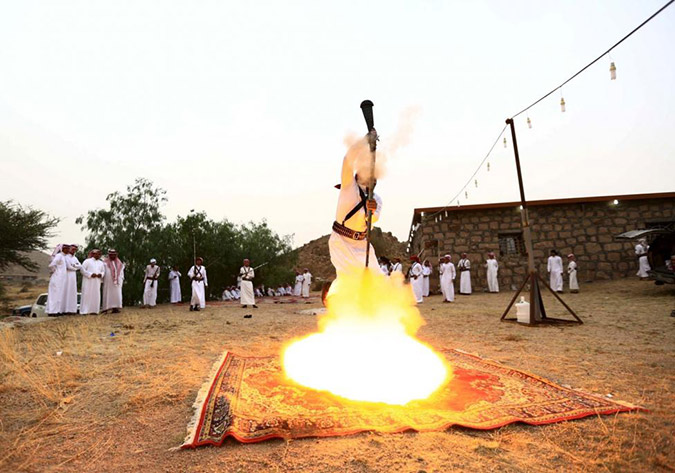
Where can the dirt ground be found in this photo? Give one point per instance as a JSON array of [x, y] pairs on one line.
[[119, 403]]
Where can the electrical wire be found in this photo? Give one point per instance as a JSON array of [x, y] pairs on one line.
[[597, 59]]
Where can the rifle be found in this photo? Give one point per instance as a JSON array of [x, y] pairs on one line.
[[367, 109]]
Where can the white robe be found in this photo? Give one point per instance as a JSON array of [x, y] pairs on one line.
[[247, 295], [112, 293], [70, 292], [572, 272], [426, 273], [306, 283], [297, 290], [198, 286], [345, 253], [91, 287], [555, 268], [464, 276], [397, 268], [417, 282], [174, 286], [643, 261], [385, 269], [57, 284], [492, 270], [150, 291], [448, 275]]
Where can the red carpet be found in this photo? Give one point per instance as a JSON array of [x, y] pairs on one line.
[[249, 399]]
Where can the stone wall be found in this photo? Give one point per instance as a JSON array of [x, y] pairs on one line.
[[585, 229]]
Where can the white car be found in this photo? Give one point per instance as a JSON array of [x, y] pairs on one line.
[[39, 307]]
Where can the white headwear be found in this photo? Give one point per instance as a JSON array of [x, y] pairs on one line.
[[153, 260]]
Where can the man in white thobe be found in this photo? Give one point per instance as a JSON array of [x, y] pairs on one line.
[[464, 267], [492, 270], [572, 273], [57, 280], [416, 276], [227, 295], [347, 243], [384, 266], [197, 275], [397, 267], [448, 275], [150, 281], [92, 271], [174, 286], [641, 251], [306, 283], [246, 291], [70, 291], [113, 279], [555, 269], [426, 274], [297, 290]]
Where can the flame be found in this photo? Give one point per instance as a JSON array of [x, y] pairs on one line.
[[365, 349]]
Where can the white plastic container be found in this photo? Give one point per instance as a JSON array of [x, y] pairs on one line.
[[523, 311]]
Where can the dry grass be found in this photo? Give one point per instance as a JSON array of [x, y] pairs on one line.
[[118, 403]]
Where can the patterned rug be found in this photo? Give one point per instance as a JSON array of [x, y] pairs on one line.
[[250, 400]]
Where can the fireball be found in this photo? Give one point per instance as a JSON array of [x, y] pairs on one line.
[[365, 349]]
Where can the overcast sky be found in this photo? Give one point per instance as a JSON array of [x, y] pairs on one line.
[[240, 109]]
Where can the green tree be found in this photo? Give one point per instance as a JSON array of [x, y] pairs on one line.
[[22, 230], [132, 224]]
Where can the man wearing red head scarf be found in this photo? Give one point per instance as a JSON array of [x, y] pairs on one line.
[[113, 279]]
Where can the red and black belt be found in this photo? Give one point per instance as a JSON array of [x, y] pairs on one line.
[[348, 232]]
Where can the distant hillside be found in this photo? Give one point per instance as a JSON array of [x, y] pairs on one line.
[[17, 272], [315, 256]]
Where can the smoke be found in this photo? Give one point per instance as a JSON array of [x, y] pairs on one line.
[[358, 149]]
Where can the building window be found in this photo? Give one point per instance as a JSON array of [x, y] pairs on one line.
[[431, 247], [511, 244]]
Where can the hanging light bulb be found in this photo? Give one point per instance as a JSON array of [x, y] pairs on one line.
[[446, 214], [488, 165], [466, 195], [475, 181], [505, 142], [457, 202], [529, 122], [562, 104], [612, 71]]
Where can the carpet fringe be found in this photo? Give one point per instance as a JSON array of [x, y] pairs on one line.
[[199, 403]]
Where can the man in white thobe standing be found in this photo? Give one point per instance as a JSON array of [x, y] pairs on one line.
[[555, 269], [150, 281], [70, 291], [448, 275], [57, 280], [174, 286], [306, 283], [464, 267], [492, 270], [384, 265], [416, 276], [247, 296], [397, 267], [347, 243], [297, 290], [572, 273], [92, 271], [113, 279], [426, 274], [641, 251], [197, 274]]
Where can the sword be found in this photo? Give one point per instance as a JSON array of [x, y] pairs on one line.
[[367, 109]]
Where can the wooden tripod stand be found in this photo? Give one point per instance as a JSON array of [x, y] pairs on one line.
[[537, 310]]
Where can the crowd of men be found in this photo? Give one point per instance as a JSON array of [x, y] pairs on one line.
[[419, 274], [97, 274], [102, 281]]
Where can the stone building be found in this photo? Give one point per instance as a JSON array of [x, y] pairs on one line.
[[584, 226]]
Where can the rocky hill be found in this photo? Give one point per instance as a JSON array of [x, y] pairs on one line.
[[315, 256], [17, 273]]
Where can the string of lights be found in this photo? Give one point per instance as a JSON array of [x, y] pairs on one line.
[[612, 70]]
